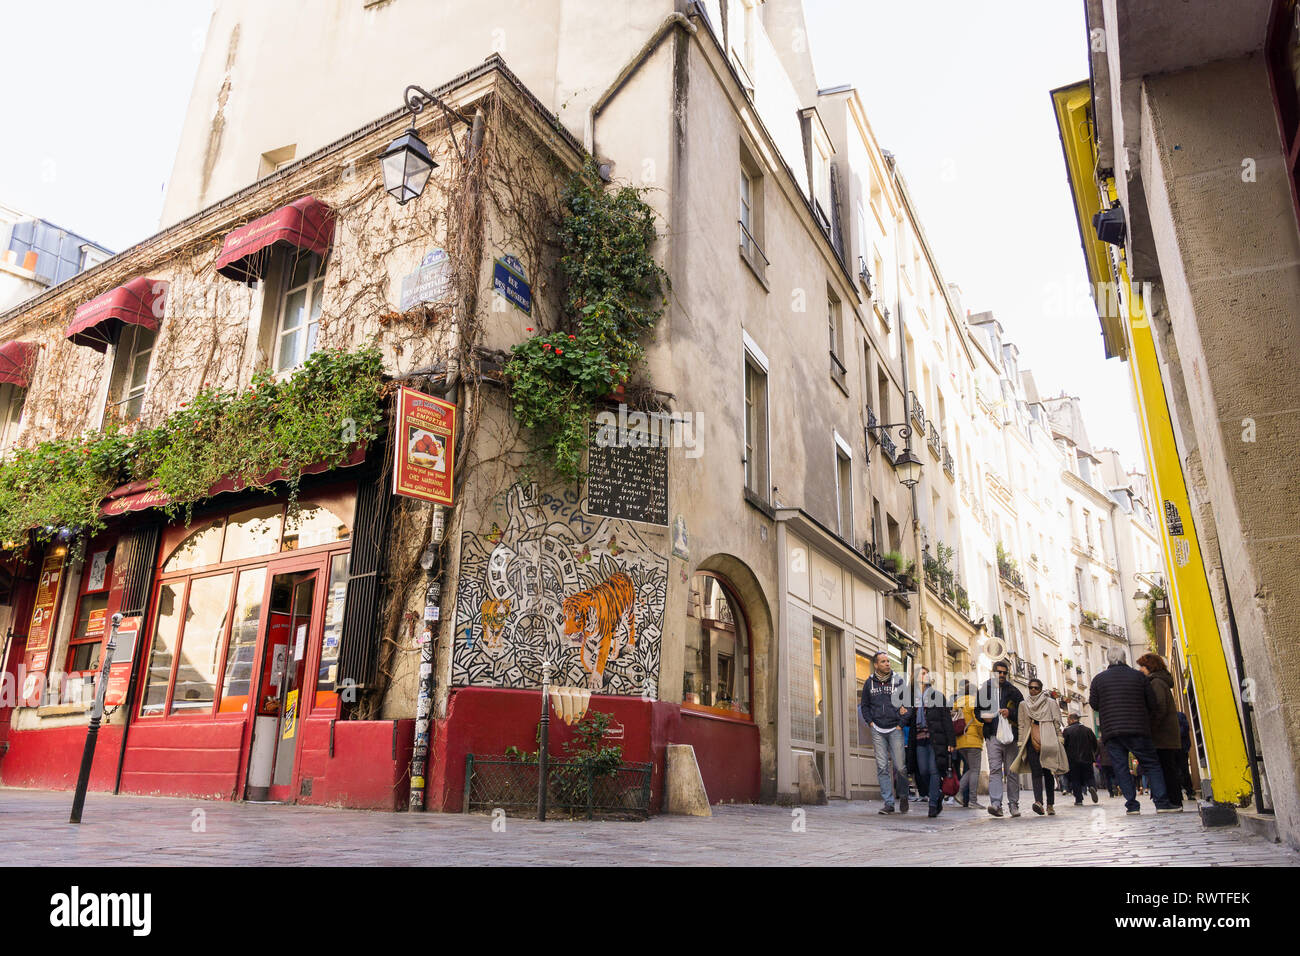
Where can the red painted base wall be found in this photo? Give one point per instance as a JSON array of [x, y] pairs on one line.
[[485, 720], [363, 773], [51, 759]]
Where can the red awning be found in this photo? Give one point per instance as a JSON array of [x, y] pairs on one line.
[[305, 223], [17, 359], [141, 495], [138, 302]]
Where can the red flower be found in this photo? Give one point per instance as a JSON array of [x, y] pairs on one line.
[[559, 351], [573, 338], [529, 329]]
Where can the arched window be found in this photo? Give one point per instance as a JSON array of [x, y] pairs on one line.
[[718, 667]]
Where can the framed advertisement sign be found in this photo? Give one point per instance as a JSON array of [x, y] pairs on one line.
[[42, 626], [119, 668], [425, 447]]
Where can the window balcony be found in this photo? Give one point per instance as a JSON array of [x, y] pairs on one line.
[[932, 438], [872, 421], [949, 466], [888, 447], [916, 410]]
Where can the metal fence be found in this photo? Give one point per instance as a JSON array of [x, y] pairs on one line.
[[573, 790]]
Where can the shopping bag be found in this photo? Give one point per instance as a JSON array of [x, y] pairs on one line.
[[1005, 734], [951, 783]]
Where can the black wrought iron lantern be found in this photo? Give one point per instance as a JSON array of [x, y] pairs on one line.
[[407, 165]]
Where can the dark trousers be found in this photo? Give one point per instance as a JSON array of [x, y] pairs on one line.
[[1108, 779], [927, 773], [1119, 747], [1080, 778], [1041, 778], [1169, 760], [1185, 774]]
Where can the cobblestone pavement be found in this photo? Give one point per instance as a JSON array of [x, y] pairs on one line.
[[161, 831]]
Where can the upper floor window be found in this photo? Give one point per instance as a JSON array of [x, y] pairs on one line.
[[12, 399], [835, 327], [298, 316], [130, 378], [843, 488], [756, 446]]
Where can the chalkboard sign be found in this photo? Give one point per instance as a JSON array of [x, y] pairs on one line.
[[625, 480]]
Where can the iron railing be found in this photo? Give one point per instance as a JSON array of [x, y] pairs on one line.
[[573, 790], [948, 465], [888, 447], [748, 246], [932, 436], [915, 409]]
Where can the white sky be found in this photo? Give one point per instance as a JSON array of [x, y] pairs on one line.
[[959, 92], [96, 94]]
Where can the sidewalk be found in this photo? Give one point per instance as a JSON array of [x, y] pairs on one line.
[[153, 831]]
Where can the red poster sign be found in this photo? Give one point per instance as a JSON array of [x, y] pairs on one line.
[[425, 447], [119, 669], [42, 626]]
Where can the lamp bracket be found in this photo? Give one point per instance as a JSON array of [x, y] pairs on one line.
[[417, 98]]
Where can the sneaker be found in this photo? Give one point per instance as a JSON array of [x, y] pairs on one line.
[[1038, 809], [1171, 808], [1051, 810], [1078, 803], [965, 803], [1093, 791], [1137, 811], [902, 805], [886, 809], [935, 811], [1015, 811], [995, 811], [977, 805]]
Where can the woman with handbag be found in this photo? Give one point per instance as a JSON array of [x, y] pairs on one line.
[[1042, 751]]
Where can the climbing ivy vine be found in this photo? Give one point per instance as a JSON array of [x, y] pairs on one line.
[[614, 294], [272, 428]]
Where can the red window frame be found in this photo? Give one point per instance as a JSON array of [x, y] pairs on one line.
[[83, 592], [176, 535]]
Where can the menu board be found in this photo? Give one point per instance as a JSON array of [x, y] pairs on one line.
[[42, 626], [424, 447], [627, 480]]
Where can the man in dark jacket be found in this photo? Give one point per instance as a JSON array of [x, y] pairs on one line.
[[930, 740], [998, 697], [1081, 750], [882, 708], [1126, 701]]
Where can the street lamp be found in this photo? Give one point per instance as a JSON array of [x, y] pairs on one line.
[[908, 465], [407, 162]]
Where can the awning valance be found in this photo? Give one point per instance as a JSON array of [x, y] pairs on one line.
[[138, 302], [305, 223], [16, 362]]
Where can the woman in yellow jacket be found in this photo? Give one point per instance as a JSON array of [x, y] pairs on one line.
[[970, 744]]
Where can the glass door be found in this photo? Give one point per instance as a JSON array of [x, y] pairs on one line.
[[826, 707], [284, 693]]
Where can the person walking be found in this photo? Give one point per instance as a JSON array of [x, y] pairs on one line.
[[883, 710], [1080, 749], [1042, 752], [999, 698], [970, 745], [1185, 766], [1106, 770], [1164, 725], [930, 740], [1126, 701]]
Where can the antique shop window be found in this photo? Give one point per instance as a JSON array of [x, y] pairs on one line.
[[298, 321], [717, 668]]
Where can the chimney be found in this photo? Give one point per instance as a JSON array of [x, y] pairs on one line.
[[29, 260]]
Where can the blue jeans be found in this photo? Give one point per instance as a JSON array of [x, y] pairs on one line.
[[889, 748], [927, 773], [1141, 747]]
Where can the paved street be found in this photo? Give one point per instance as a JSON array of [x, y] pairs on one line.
[[161, 831]]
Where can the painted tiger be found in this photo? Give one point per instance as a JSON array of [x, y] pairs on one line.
[[593, 620], [494, 613]]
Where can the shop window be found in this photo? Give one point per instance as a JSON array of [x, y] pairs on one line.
[[158, 676], [335, 600], [242, 646], [253, 532], [200, 641], [717, 666], [312, 526], [200, 548], [89, 627]]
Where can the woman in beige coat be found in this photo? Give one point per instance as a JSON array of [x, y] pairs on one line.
[[1042, 750]]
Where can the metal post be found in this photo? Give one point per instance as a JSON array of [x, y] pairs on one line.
[[96, 714], [543, 752], [424, 696]]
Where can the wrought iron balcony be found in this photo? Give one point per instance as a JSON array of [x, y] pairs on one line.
[[888, 447], [932, 437], [915, 409], [871, 417], [948, 465]]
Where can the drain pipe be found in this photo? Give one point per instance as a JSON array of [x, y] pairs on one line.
[[652, 44], [427, 682]]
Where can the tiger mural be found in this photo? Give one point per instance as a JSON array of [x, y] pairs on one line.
[[494, 612], [594, 619]]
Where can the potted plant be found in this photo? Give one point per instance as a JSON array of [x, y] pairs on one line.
[[891, 561]]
